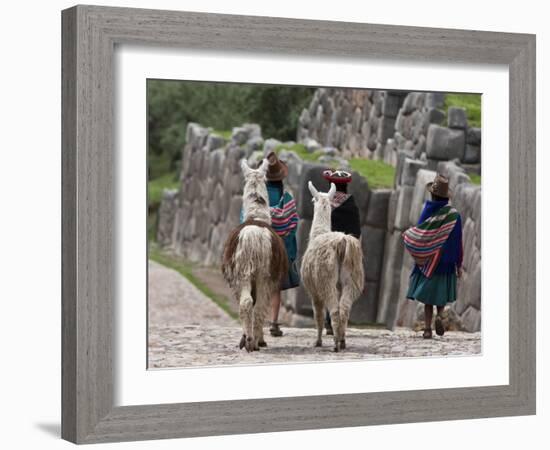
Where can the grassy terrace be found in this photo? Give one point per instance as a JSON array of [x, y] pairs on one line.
[[378, 173], [470, 102]]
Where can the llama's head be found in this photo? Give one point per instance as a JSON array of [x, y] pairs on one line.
[[255, 198], [322, 202]]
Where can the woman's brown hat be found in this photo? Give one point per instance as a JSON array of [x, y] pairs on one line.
[[439, 186], [277, 170]]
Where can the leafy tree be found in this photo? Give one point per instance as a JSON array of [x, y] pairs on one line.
[[171, 105]]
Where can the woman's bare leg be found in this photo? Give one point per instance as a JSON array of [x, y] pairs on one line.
[[275, 306], [439, 328], [428, 315]]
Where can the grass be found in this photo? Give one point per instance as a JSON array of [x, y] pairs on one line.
[[470, 102], [156, 186], [378, 173], [300, 150], [476, 179], [226, 134], [186, 270]]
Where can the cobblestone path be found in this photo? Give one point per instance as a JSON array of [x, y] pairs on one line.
[[187, 329]]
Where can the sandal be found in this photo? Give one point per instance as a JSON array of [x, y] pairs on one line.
[[274, 330], [427, 333], [439, 328]]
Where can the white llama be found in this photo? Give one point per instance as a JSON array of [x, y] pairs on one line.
[[332, 269], [254, 258]]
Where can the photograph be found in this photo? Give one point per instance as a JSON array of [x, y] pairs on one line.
[[296, 224]]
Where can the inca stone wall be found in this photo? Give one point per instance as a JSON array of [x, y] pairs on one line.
[[376, 124], [195, 220], [402, 128]]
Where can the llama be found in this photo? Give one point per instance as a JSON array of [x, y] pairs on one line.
[[254, 258], [332, 269]]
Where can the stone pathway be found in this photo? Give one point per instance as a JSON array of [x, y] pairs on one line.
[[187, 329]]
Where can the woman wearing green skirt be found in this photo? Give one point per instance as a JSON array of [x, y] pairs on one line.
[[436, 246]]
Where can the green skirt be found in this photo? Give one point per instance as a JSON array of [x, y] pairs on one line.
[[438, 290]]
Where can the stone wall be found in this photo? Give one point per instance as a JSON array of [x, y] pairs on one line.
[[406, 204], [195, 220], [403, 129], [377, 124]]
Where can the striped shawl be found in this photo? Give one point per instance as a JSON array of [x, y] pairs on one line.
[[284, 217], [425, 241]]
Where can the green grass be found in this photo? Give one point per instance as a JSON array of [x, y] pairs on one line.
[[300, 150], [378, 173], [476, 179], [156, 186], [470, 102], [186, 270], [226, 134]]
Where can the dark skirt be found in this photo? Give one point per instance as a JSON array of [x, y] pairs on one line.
[[292, 278], [438, 290]]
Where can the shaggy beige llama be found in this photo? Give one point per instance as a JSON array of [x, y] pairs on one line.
[[332, 269], [254, 258]]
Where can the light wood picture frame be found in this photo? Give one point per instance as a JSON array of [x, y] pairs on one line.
[[89, 36]]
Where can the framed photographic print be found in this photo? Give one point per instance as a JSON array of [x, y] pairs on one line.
[[265, 229]]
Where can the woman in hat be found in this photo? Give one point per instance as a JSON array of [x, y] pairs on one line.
[[435, 244], [344, 216], [284, 221]]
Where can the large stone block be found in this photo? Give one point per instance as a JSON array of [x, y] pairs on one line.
[[406, 312], [402, 154], [456, 118], [365, 307], [473, 294], [403, 210], [392, 209], [314, 173], [240, 135], [216, 161], [372, 242], [471, 319], [166, 216], [444, 143], [270, 145], [214, 142], [410, 169], [420, 193], [235, 208], [377, 213], [359, 188], [195, 135], [472, 154], [391, 105], [435, 116], [435, 100], [386, 128], [390, 280], [473, 136], [302, 235]]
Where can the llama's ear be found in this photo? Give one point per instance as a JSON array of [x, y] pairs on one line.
[[331, 191], [314, 192], [264, 166], [244, 167]]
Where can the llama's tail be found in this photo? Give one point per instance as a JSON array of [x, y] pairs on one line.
[[351, 265]]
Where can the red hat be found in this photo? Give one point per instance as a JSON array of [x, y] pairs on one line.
[[337, 176]]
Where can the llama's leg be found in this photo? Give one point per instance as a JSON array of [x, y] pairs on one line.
[[245, 314], [333, 307], [319, 309], [261, 309], [345, 308]]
